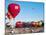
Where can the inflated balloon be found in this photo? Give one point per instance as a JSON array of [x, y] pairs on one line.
[[14, 9], [19, 24]]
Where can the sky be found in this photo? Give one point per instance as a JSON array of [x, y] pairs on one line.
[[29, 11]]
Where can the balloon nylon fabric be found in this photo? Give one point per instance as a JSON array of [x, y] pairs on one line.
[[14, 9]]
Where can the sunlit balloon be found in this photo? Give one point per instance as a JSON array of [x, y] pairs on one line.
[[14, 9]]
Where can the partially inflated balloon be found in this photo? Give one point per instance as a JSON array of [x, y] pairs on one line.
[[14, 9], [19, 24]]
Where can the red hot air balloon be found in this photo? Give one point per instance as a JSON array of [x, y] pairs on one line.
[[13, 9], [19, 24]]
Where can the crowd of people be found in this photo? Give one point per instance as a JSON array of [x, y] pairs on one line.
[[26, 27]]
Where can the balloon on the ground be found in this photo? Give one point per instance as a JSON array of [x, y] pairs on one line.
[[19, 24]]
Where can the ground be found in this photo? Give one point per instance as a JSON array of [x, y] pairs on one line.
[[24, 30]]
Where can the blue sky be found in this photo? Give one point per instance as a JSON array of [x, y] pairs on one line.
[[29, 11]]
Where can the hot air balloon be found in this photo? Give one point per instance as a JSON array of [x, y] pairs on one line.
[[13, 9], [19, 24]]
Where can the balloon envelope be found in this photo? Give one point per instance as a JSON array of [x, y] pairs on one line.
[[14, 9], [19, 24]]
